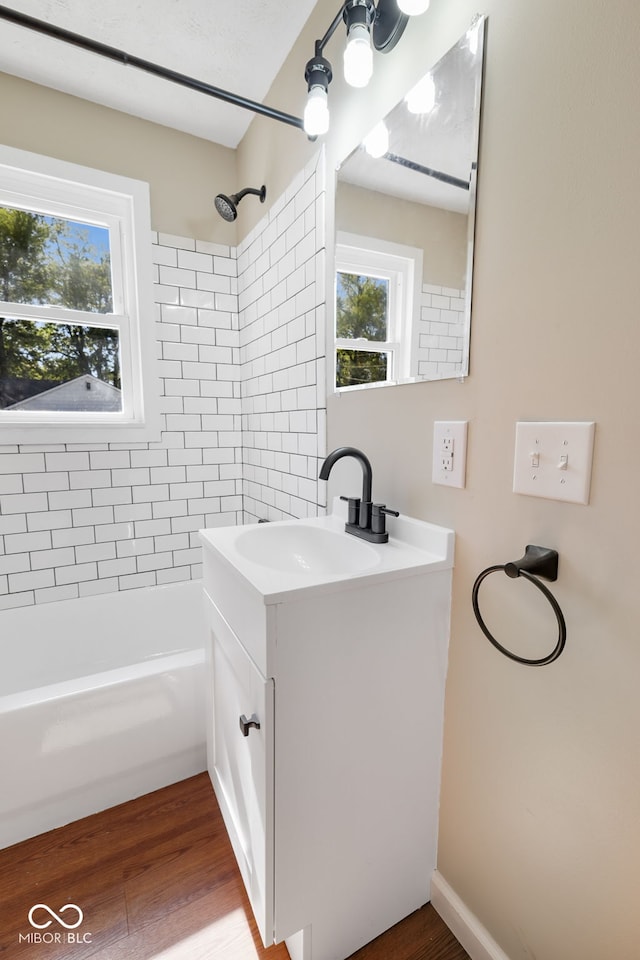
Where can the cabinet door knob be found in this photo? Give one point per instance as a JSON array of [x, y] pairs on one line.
[[245, 725]]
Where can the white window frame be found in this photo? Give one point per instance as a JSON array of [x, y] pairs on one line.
[[60, 189], [402, 266]]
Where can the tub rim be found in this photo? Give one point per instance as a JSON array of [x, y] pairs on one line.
[[47, 693]]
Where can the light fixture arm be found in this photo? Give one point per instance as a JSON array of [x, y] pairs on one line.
[[333, 26]]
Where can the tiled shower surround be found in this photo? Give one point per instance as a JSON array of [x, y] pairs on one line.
[[440, 331], [241, 363]]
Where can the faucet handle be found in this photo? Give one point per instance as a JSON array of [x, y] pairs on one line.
[[378, 513], [353, 515]]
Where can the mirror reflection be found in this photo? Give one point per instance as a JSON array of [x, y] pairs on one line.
[[405, 204]]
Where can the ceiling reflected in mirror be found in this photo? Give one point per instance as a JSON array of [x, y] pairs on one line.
[[432, 141]]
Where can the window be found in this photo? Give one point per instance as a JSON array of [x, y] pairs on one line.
[[77, 344], [376, 297]]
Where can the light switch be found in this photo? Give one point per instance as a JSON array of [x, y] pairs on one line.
[[449, 452], [553, 460]]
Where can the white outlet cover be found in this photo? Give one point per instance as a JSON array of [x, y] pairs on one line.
[[450, 445], [553, 460]]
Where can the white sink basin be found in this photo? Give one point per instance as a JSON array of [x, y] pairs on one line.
[[317, 555], [313, 549]]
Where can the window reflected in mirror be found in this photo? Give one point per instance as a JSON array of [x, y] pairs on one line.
[[376, 286], [362, 319]]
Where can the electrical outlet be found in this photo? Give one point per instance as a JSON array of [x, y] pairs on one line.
[[449, 452]]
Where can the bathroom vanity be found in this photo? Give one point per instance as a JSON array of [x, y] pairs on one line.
[[327, 660]]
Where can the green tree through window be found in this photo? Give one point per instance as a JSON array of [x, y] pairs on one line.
[[362, 310], [49, 261]]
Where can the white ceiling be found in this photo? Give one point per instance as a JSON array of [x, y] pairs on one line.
[[236, 45]]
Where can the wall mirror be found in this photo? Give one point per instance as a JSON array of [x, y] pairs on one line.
[[405, 210]]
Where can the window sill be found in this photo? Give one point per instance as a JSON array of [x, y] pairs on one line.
[[90, 430]]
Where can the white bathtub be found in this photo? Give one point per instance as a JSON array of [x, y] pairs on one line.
[[102, 699]]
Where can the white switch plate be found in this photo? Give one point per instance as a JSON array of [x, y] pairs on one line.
[[449, 452], [553, 460]]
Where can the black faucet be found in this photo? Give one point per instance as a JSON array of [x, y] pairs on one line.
[[365, 519]]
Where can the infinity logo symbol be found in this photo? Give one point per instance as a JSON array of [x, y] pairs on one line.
[[67, 926]]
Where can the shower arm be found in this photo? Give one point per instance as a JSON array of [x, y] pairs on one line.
[[262, 192], [112, 53]]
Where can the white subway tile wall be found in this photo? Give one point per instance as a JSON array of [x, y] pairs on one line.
[[440, 331], [240, 339], [281, 298]]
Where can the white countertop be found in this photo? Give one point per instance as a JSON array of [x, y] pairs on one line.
[[276, 568]]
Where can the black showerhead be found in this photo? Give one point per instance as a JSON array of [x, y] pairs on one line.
[[227, 206]]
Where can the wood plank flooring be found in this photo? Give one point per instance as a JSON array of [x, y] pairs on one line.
[[156, 879]]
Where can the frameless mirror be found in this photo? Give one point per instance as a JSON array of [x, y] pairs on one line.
[[405, 206]]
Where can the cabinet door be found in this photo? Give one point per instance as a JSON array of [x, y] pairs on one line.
[[242, 773]]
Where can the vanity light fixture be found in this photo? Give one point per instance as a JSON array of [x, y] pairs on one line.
[[368, 23]]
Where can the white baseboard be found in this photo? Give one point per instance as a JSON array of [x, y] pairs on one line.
[[464, 925]]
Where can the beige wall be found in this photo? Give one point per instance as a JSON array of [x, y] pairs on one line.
[[440, 234], [540, 816], [184, 172]]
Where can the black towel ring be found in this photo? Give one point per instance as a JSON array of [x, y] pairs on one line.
[[536, 560]]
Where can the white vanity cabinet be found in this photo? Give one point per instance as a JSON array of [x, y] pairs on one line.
[[241, 766], [331, 802]]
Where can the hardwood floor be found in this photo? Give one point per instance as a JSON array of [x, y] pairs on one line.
[[156, 879]]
